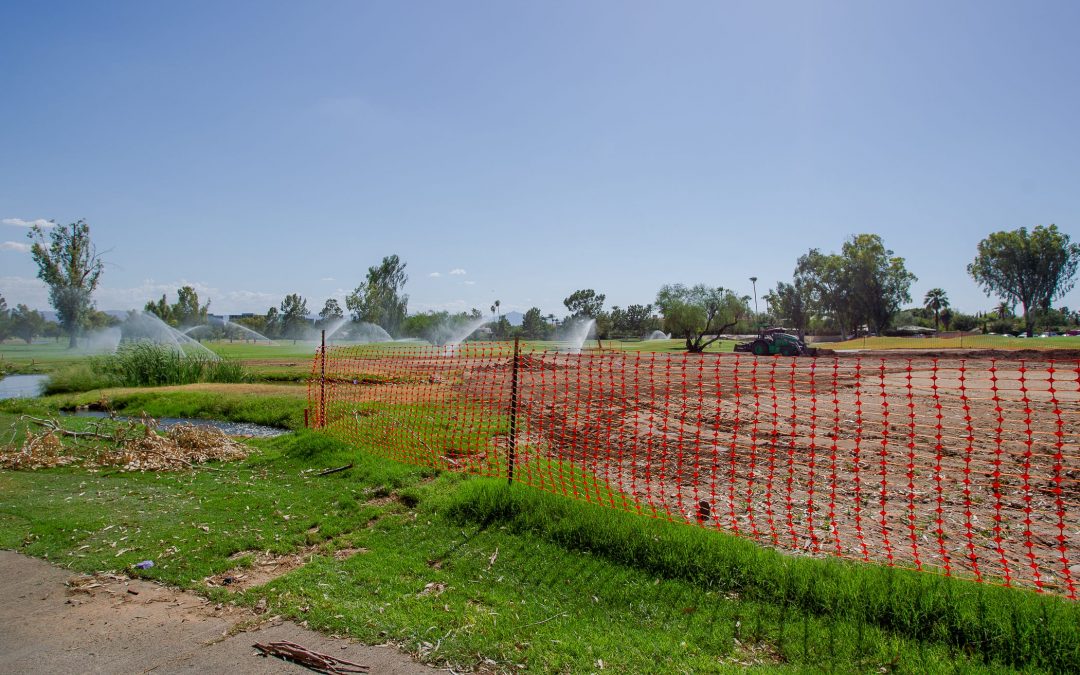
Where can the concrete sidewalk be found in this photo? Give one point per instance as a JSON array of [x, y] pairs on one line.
[[118, 625]]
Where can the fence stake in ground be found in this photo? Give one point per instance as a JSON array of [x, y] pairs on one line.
[[321, 422], [513, 414]]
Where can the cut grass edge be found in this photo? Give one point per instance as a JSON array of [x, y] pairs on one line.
[[1015, 627]]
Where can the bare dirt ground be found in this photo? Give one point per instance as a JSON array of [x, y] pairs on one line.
[[962, 464], [54, 622], [966, 462]]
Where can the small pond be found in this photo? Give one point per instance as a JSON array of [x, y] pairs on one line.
[[22, 386], [230, 428], [31, 386]]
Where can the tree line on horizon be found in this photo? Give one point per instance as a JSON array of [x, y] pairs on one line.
[[862, 287]]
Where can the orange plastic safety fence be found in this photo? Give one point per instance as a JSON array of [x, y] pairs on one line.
[[966, 467]]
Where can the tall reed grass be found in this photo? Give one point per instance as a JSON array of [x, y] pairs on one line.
[[145, 364]]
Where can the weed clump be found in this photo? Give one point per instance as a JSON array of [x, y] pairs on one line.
[[145, 364]]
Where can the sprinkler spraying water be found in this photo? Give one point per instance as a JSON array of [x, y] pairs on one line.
[[144, 327], [576, 332]]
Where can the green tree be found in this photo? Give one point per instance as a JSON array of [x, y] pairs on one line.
[[183, 313], [27, 323], [864, 283], [585, 303], [331, 310], [533, 326], [96, 319], [272, 325], [820, 276], [69, 264], [791, 304], [959, 321], [379, 299], [187, 311], [5, 320], [699, 314], [935, 301], [615, 321], [501, 329], [639, 320], [52, 330], [161, 309], [877, 280], [256, 323], [1032, 269], [603, 326], [438, 328], [294, 321], [946, 316]]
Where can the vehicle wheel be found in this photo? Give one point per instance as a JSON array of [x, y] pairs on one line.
[[760, 348]]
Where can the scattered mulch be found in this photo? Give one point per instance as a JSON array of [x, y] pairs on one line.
[[266, 566], [136, 446]]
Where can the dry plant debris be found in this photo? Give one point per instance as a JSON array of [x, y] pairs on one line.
[[320, 663], [129, 446]]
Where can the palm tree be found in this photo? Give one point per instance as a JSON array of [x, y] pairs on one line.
[[935, 301], [1004, 310], [497, 304]]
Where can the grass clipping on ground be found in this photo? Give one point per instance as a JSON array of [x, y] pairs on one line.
[[131, 446]]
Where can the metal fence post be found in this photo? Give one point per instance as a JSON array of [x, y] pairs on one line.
[[513, 414], [321, 422]]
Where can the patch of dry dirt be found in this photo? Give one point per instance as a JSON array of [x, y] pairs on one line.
[[54, 622], [264, 567]]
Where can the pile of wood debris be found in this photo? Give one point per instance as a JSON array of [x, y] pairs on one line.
[[131, 446]]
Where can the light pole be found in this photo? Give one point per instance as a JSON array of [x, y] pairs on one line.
[[753, 280]]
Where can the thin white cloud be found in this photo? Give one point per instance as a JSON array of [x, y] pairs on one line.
[[19, 222], [470, 283], [452, 306], [15, 246], [457, 272], [35, 294], [327, 279], [25, 291], [435, 274]]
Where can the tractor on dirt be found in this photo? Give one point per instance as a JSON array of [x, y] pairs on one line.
[[773, 341]]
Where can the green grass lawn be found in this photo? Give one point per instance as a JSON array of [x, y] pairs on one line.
[[41, 357], [284, 361], [666, 346], [965, 342], [470, 573]]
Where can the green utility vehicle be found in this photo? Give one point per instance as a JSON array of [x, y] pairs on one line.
[[773, 341]]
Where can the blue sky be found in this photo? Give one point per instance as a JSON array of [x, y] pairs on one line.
[[258, 149]]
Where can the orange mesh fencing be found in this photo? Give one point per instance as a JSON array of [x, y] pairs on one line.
[[965, 467]]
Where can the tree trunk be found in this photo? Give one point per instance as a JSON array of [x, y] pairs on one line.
[[73, 341]]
